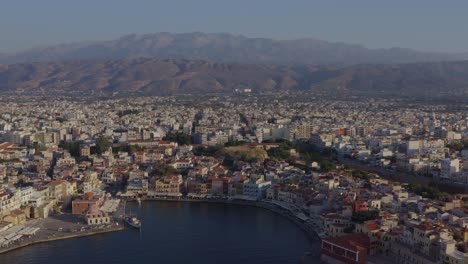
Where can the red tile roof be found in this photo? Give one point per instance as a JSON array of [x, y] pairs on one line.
[[351, 242], [425, 227], [372, 225]]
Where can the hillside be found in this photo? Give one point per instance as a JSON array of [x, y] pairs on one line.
[[162, 77]]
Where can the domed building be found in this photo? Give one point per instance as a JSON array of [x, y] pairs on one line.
[[94, 216]]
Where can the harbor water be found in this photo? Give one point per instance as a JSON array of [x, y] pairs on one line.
[[181, 232]]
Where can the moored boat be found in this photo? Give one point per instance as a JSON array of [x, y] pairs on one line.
[[133, 222]]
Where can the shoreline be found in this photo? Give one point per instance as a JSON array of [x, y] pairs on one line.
[[40, 241], [310, 233]]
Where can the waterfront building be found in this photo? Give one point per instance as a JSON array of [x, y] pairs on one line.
[[170, 185], [94, 216], [256, 188], [81, 205], [16, 217], [349, 249]]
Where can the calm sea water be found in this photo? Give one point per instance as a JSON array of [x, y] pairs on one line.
[[181, 233]]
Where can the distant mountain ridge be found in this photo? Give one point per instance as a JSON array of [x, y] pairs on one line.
[[227, 48], [151, 76]]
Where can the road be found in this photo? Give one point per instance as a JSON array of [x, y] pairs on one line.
[[400, 176]]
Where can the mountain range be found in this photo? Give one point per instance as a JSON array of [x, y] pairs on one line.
[[151, 76], [166, 63], [222, 47]]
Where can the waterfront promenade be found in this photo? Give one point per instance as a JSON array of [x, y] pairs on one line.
[[58, 227]]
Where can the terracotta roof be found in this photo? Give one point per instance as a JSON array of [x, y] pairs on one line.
[[88, 196], [56, 182], [372, 225], [351, 242], [424, 227], [6, 145], [394, 233], [212, 178]]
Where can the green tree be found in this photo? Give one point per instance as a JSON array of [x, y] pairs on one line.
[[281, 152], [206, 151], [360, 174], [233, 143], [361, 217], [163, 170], [431, 192], [180, 137], [128, 148], [127, 112], [102, 145], [72, 147], [38, 148], [22, 183], [327, 166], [458, 146]]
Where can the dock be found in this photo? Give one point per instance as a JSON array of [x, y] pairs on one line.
[[54, 228]]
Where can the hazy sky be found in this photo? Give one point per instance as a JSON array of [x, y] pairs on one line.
[[433, 25]]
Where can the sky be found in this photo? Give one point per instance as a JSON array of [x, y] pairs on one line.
[[427, 25]]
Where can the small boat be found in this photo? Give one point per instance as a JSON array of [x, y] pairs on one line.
[[133, 222]]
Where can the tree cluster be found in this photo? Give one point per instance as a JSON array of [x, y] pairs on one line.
[[180, 137], [102, 145], [206, 151], [281, 152], [163, 170], [430, 192], [458, 146], [127, 112], [361, 217], [72, 147], [127, 148]]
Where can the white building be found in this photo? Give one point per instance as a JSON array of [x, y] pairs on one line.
[[413, 147], [256, 188], [25, 194], [449, 168]]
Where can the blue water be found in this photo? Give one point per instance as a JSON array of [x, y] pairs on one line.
[[174, 232]]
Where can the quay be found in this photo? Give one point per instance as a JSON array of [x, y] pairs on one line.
[[60, 227]]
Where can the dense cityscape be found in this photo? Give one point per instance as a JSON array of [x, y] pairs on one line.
[[373, 180], [253, 132]]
